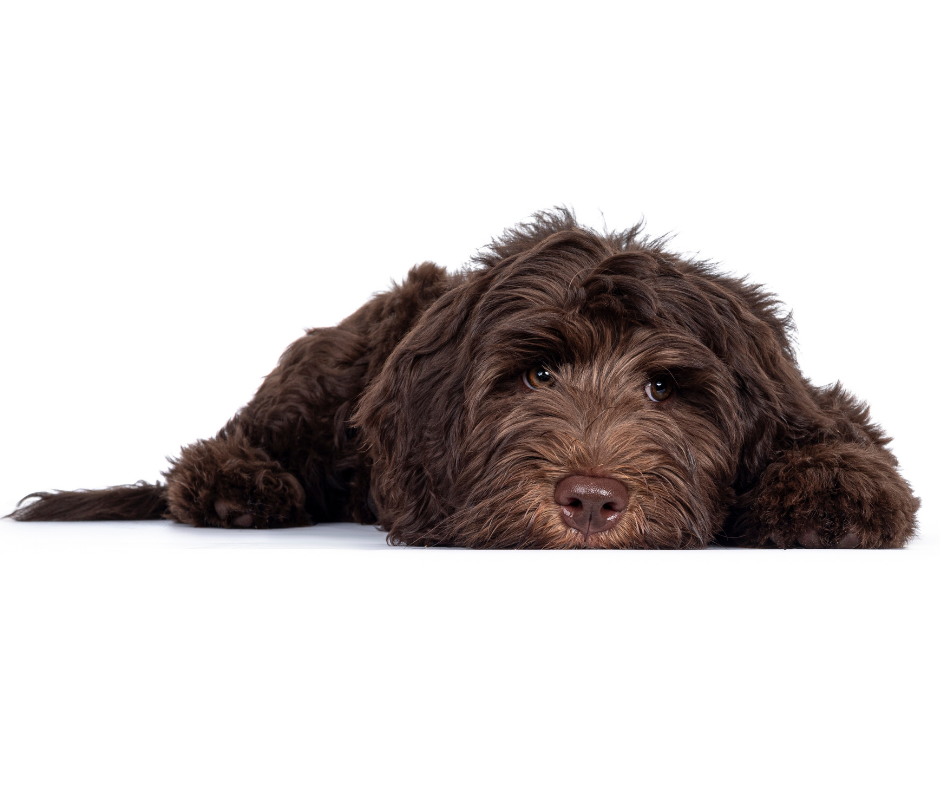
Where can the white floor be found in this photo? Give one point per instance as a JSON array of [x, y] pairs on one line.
[[161, 533], [343, 536], [128, 658]]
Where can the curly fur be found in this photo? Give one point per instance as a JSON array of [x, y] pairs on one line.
[[411, 414]]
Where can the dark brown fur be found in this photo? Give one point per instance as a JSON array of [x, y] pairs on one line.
[[411, 413]]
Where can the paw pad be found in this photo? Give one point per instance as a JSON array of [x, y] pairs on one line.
[[223, 509], [810, 538]]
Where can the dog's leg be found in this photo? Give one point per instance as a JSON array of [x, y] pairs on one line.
[[838, 486], [287, 457], [230, 483], [292, 456], [834, 495]]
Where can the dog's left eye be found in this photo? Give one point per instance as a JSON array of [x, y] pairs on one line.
[[660, 388], [537, 378]]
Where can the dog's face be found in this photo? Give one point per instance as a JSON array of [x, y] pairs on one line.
[[573, 395]]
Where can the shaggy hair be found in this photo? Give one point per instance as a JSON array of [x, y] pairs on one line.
[[569, 388]]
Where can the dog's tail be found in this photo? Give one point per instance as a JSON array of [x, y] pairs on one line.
[[141, 501]]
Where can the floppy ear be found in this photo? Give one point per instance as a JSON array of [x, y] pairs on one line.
[[744, 327], [814, 470], [412, 415]]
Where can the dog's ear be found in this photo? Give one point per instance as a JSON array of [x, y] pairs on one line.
[[412, 415], [745, 327], [814, 470]]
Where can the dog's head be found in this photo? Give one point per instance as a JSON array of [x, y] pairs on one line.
[[578, 389]]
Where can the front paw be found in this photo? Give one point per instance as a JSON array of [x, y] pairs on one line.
[[835, 495], [233, 486]]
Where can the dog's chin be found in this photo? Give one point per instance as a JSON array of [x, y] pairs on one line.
[[575, 540]]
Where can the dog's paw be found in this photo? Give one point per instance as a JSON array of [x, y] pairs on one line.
[[841, 495], [812, 538], [211, 486]]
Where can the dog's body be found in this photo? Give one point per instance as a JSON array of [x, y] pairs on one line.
[[569, 389]]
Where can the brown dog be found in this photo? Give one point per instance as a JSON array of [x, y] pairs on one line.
[[568, 389]]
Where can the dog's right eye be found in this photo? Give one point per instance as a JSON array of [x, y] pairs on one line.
[[537, 378], [660, 388]]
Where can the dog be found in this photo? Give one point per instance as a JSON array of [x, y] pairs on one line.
[[569, 388]]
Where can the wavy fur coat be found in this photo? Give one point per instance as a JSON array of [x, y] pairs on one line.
[[569, 388]]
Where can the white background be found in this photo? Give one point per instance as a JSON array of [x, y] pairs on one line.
[[185, 187]]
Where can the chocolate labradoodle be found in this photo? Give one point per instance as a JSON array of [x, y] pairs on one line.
[[570, 388]]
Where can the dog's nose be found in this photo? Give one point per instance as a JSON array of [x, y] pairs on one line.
[[591, 503]]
